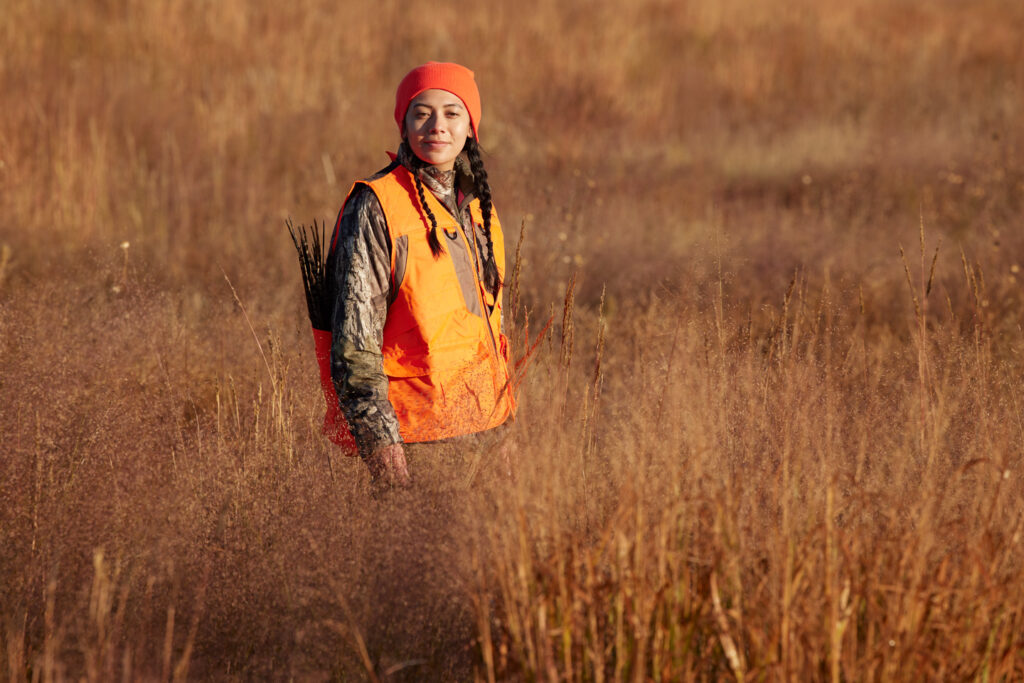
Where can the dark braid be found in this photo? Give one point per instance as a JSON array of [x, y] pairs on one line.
[[483, 192], [435, 244]]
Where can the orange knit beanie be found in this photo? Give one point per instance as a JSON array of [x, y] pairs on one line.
[[456, 79]]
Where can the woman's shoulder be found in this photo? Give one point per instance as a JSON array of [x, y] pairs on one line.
[[374, 182], [361, 200], [362, 213]]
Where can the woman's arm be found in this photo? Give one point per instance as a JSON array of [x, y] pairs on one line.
[[359, 266]]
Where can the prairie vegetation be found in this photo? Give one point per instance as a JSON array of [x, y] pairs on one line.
[[773, 432]]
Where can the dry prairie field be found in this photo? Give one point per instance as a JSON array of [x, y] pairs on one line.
[[769, 268]]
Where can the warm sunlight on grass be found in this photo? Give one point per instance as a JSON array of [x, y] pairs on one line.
[[773, 432]]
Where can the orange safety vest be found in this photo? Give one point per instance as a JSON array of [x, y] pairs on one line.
[[447, 366]]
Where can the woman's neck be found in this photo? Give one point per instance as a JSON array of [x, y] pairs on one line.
[[445, 180]]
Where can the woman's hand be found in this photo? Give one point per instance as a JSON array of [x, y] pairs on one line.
[[388, 468]]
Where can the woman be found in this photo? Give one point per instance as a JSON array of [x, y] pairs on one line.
[[415, 268]]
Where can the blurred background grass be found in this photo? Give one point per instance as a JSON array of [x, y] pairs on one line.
[[772, 422]]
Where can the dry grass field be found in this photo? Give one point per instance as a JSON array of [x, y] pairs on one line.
[[774, 431]]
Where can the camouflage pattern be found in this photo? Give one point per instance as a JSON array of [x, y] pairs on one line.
[[360, 282]]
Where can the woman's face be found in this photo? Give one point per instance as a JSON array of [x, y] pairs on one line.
[[437, 125]]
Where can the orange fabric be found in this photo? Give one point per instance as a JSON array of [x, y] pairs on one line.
[[447, 368], [335, 426], [455, 78]]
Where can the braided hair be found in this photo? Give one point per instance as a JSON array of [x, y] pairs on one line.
[[435, 244], [482, 189], [492, 280]]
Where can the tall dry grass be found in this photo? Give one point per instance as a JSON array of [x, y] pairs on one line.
[[773, 431]]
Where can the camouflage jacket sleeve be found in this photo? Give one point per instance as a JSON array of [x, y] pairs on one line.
[[359, 273]]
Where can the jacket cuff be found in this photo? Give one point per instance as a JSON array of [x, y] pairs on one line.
[[373, 432]]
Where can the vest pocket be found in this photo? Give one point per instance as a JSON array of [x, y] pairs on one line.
[[441, 355]]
